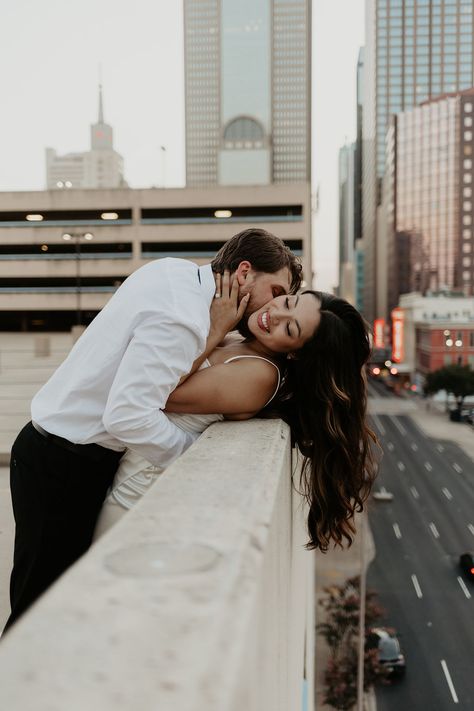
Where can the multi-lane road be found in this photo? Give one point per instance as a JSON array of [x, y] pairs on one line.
[[419, 537]]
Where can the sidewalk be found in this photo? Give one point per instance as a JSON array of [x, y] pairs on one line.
[[336, 566], [333, 568]]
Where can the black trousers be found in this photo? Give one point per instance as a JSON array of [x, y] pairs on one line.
[[56, 495]]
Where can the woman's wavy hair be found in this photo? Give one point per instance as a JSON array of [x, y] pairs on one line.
[[324, 400]]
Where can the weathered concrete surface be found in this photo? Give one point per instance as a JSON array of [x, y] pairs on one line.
[[189, 603]]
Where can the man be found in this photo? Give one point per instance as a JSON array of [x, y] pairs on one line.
[[109, 395]]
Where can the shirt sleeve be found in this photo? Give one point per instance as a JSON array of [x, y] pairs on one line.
[[160, 352]]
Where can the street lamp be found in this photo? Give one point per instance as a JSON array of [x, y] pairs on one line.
[[77, 236]]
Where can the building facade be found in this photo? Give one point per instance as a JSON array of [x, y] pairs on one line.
[[346, 222], [438, 330], [64, 252], [100, 167], [430, 159], [415, 50], [248, 91]]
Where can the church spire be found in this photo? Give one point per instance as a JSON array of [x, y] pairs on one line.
[[101, 132], [101, 106]]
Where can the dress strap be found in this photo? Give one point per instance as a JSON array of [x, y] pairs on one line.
[[229, 360]]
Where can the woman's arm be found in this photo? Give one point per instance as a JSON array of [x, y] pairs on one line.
[[225, 313], [243, 386]]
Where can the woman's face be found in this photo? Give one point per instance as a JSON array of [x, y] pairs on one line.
[[285, 323]]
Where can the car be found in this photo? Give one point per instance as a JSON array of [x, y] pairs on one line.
[[466, 563], [382, 495], [389, 653]]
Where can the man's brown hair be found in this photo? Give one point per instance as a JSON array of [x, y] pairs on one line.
[[265, 252]]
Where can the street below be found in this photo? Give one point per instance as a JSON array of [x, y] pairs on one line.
[[419, 536]]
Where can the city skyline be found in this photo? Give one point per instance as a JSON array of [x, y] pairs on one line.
[[141, 58], [248, 92], [415, 50]]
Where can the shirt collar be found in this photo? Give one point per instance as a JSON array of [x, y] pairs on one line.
[[207, 281]]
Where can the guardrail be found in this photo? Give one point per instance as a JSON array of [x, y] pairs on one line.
[[200, 599]]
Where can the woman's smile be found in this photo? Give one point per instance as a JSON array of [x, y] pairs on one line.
[[263, 321], [286, 322]]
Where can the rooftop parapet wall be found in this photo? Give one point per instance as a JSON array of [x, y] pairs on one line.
[[201, 597]]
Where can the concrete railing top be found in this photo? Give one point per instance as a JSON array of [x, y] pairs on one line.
[[157, 615]]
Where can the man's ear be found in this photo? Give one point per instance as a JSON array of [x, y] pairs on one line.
[[242, 271]]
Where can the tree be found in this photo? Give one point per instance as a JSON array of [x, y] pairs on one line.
[[341, 677], [455, 379], [340, 630], [342, 612]]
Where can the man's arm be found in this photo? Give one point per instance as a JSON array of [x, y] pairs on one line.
[[160, 352]]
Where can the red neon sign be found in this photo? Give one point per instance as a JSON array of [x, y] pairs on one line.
[[397, 336], [379, 328]]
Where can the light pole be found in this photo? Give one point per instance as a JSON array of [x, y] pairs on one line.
[[163, 165], [77, 236]]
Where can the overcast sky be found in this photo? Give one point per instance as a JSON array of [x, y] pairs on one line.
[[51, 52]]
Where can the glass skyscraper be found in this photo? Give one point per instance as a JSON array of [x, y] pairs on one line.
[[248, 98], [415, 50]]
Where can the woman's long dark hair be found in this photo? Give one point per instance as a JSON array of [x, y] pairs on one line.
[[324, 400]]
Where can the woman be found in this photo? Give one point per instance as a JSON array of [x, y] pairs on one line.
[[306, 355]]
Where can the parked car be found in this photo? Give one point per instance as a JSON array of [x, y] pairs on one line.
[[466, 563], [388, 646]]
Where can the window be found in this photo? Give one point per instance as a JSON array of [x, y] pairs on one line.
[[468, 107]]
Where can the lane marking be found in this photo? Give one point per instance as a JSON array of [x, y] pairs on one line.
[[457, 468], [471, 528], [390, 446], [447, 493], [464, 588], [414, 492], [398, 425], [396, 528], [449, 680], [414, 446], [440, 448], [428, 467], [401, 466], [434, 530], [416, 585], [379, 425]]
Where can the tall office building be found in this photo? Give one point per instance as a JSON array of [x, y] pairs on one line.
[[432, 243], [101, 167], [415, 50], [248, 93], [346, 222]]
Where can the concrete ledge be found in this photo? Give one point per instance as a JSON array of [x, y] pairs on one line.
[[199, 599]]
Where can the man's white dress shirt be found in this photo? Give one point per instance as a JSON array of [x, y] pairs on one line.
[[113, 386]]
